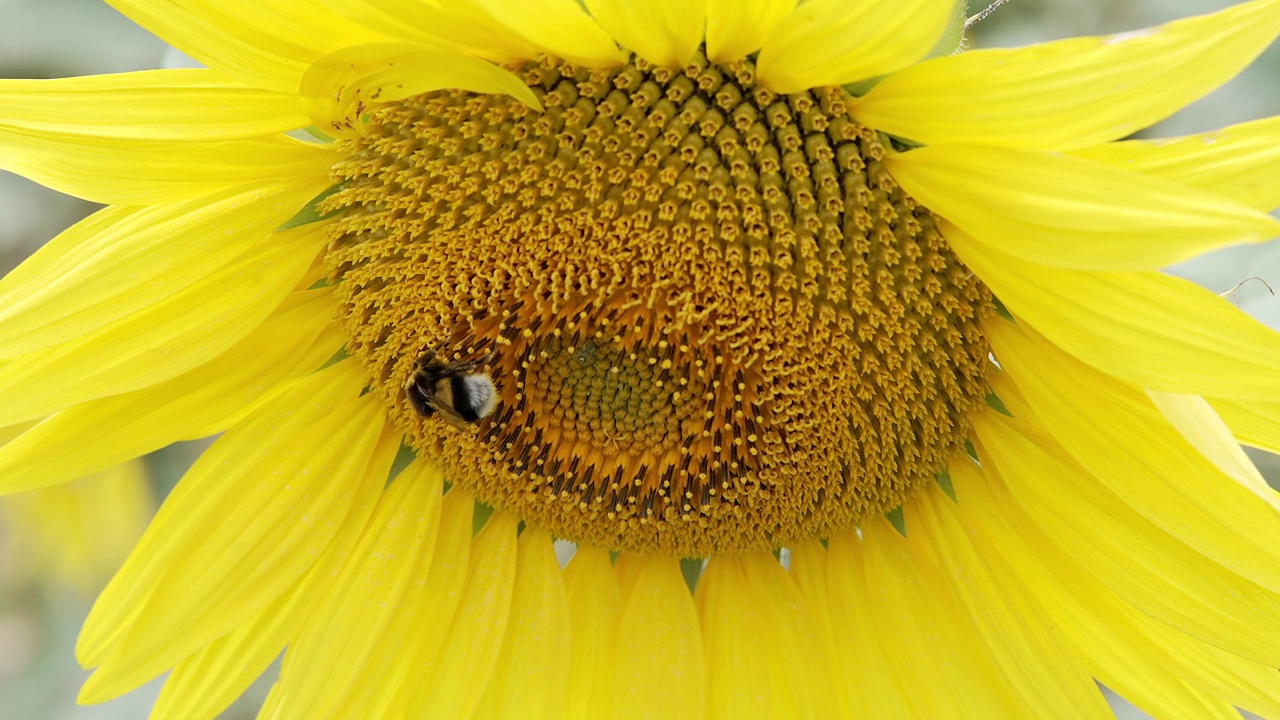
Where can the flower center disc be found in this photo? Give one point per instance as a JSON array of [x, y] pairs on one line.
[[713, 320]]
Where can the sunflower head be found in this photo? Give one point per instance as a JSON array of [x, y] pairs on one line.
[[714, 321]]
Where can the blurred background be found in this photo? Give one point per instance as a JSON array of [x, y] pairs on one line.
[[59, 547]]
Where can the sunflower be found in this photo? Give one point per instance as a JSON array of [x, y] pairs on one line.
[[849, 372]]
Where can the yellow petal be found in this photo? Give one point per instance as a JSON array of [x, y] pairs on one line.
[[1237, 162], [1069, 93], [412, 644], [470, 653], [1192, 416], [1029, 651], [94, 435], [1148, 329], [922, 626], [761, 642], [181, 332], [264, 43], [737, 28], [875, 685], [595, 604], [141, 172], [659, 663], [664, 32], [226, 478], [834, 42], [181, 105], [808, 570], [461, 25], [340, 87], [204, 684], [1253, 423], [121, 260], [1149, 663], [560, 27], [529, 680], [1127, 444], [336, 662], [1063, 211], [232, 563], [1146, 566]]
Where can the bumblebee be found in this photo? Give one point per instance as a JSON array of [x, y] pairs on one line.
[[460, 392]]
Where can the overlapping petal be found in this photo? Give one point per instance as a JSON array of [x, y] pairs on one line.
[[160, 342], [659, 660], [664, 32], [1153, 571], [529, 680], [121, 260], [94, 435], [1062, 211], [835, 42], [595, 605], [305, 462], [264, 43], [1156, 666], [561, 28], [1148, 329], [143, 172], [738, 27], [338, 88], [1070, 93], [338, 657], [1236, 162]]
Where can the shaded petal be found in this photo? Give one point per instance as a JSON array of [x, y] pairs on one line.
[[121, 260], [1146, 661], [411, 645], [264, 43], [659, 662], [874, 684], [665, 32], [118, 171], [834, 42], [1029, 650], [1146, 566], [922, 626], [181, 332], [468, 658], [1238, 162], [595, 605], [529, 680], [560, 27], [1063, 211], [1070, 93], [304, 463], [735, 27], [179, 105], [1117, 434], [335, 663], [1147, 328], [339, 88], [92, 436]]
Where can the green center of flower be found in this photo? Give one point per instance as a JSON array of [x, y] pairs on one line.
[[712, 320]]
